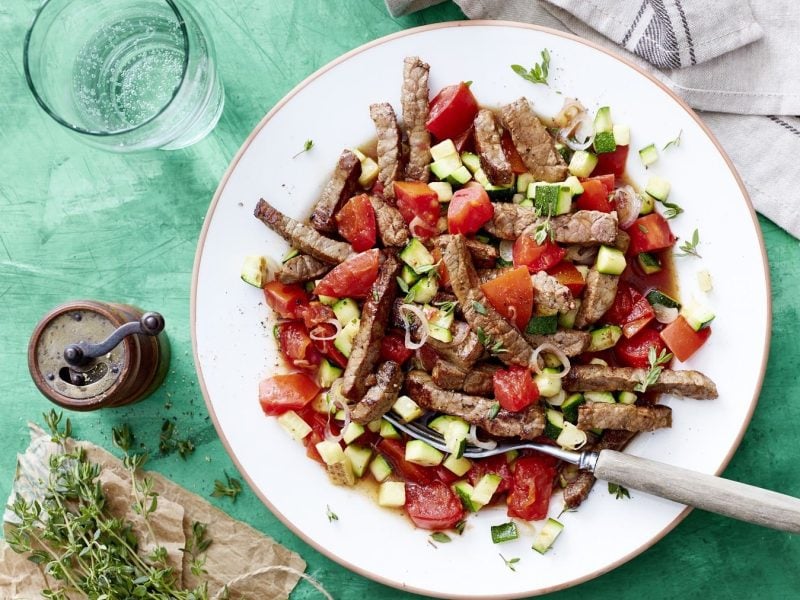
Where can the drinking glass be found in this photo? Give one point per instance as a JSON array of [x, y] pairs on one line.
[[125, 75]]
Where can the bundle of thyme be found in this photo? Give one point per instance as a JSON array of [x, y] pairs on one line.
[[87, 550]]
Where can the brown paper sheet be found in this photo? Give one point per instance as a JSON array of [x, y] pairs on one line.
[[237, 548]]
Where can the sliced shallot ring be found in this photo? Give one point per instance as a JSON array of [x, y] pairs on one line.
[[628, 204], [423, 327], [336, 398], [665, 314], [551, 349], [472, 438], [324, 338]]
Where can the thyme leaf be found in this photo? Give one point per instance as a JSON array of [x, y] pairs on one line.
[[690, 246], [618, 491], [231, 488], [656, 366], [538, 73], [308, 145], [674, 143]]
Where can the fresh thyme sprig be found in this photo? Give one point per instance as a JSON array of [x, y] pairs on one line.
[[492, 346], [332, 516], [690, 246], [231, 488], [308, 145], [656, 366], [167, 442], [538, 73], [674, 143], [510, 562], [618, 491]]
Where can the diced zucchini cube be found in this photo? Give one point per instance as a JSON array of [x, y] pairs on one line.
[[369, 173], [471, 160], [604, 338], [443, 189], [359, 458], [626, 398], [465, 493], [549, 384], [294, 425], [328, 373], [409, 275], [440, 333], [374, 426], [648, 204], [485, 488], [346, 310], [345, 338], [648, 155], [459, 466], [353, 431], [582, 163], [602, 120], [697, 315], [392, 494], [421, 453], [254, 270], [658, 188], [446, 166], [569, 408], [567, 320], [341, 473], [649, 262], [443, 149], [574, 185], [545, 538], [610, 261], [604, 142], [388, 431], [542, 325], [407, 409], [606, 397], [380, 468], [554, 423], [424, 290], [330, 452], [460, 176], [622, 134], [523, 181], [416, 255]]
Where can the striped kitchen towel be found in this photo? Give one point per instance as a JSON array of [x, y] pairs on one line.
[[734, 61]]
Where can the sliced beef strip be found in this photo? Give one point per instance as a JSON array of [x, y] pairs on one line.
[[598, 296], [584, 227], [582, 255], [534, 144], [342, 186], [391, 226], [597, 378], [414, 98], [499, 337], [527, 424], [301, 236], [484, 255], [571, 342], [487, 143], [390, 147], [374, 322], [623, 241], [381, 396], [464, 354], [486, 275], [458, 263], [577, 491], [550, 296], [478, 380], [600, 415], [302, 268]]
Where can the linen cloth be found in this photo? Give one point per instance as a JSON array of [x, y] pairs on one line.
[[736, 62]]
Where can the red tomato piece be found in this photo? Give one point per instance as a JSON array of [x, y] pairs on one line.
[[445, 475], [451, 111], [511, 294], [537, 257], [568, 275], [325, 346], [395, 452], [444, 277], [469, 209], [296, 345], [514, 388], [393, 347], [315, 313], [433, 506], [353, 278], [311, 441], [682, 340], [532, 487], [607, 180], [498, 465], [632, 352], [641, 314], [465, 142], [626, 297], [612, 162], [594, 196], [510, 150], [288, 301], [280, 393], [419, 204], [650, 233], [356, 222]]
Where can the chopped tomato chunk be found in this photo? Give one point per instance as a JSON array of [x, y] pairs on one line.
[[353, 278], [356, 221], [469, 209], [419, 205], [682, 340], [433, 506], [650, 233], [395, 452], [451, 111], [632, 352], [626, 297], [537, 257], [595, 196], [288, 301], [325, 346], [511, 294], [532, 487], [510, 150], [612, 162], [568, 275], [296, 345], [465, 142], [315, 313], [641, 314], [444, 278], [280, 393], [393, 347], [514, 388]]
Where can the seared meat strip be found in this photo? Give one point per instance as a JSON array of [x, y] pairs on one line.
[[571, 342], [390, 149], [479, 380], [598, 297], [381, 396], [301, 236], [465, 354], [527, 424], [414, 97], [550, 296], [458, 263], [487, 143], [584, 227], [623, 241], [577, 491], [500, 337], [533, 142], [582, 255], [340, 188], [374, 322], [629, 417], [486, 275], [598, 378], [391, 226], [485, 255], [302, 268]]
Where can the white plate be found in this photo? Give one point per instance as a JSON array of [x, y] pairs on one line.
[[234, 347]]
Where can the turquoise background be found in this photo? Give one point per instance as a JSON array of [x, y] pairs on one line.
[[76, 222]]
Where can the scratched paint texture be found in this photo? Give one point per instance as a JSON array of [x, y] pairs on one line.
[[76, 222]]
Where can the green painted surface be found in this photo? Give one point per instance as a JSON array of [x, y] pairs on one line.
[[76, 222]]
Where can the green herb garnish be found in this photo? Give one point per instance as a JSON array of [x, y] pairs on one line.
[[446, 306], [459, 527], [231, 488], [332, 516], [538, 73], [441, 537], [673, 210], [618, 491], [510, 562], [690, 247], [674, 143], [495, 408], [479, 308], [402, 285], [489, 343], [308, 145], [122, 437], [656, 366]]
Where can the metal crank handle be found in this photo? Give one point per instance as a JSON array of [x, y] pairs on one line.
[[76, 355], [715, 494]]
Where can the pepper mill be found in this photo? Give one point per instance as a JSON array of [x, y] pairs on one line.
[[86, 355]]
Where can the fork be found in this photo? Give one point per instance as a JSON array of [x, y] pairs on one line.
[[708, 492]]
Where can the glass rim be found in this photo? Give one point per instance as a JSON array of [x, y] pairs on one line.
[[81, 130]]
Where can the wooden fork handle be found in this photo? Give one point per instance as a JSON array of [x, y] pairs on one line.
[[715, 494]]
